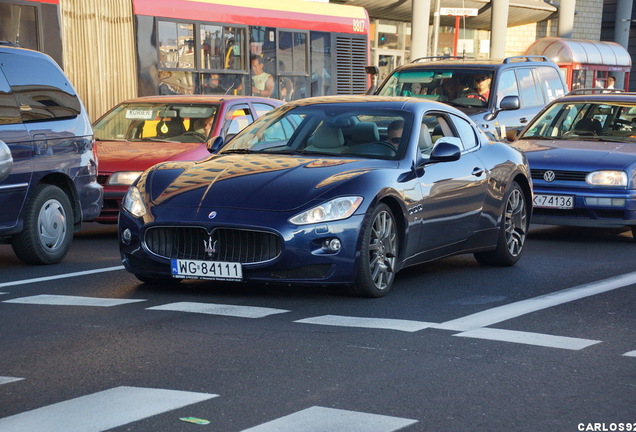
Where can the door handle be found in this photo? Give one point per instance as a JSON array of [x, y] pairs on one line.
[[477, 172]]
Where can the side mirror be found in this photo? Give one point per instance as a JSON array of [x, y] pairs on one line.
[[215, 143], [508, 103], [446, 149], [6, 161]]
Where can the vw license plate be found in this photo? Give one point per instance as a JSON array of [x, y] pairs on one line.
[[213, 270], [554, 201]]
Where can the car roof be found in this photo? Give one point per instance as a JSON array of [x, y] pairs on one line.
[[613, 97], [384, 102], [201, 99], [472, 63]]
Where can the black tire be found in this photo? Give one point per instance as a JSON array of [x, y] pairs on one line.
[[48, 227], [378, 255], [512, 233]]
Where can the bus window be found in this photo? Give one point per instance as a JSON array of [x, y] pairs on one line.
[[176, 45]]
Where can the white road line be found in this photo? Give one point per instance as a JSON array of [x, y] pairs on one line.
[[7, 380], [377, 323], [630, 354], [63, 300], [101, 411], [62, 276], [320, 419], [527, 338], [219, 309], [513, 310]]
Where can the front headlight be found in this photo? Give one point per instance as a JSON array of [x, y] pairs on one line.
[[123, 178], [607, 178], [336, 209], [133, 203]]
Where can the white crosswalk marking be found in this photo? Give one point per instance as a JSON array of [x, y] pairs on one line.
[[377, 323], [320, 419], [630, 354], [527, 338], [63, 300], [219, 309], [7, 380], [514, 310], [101, 411], [62, 276]]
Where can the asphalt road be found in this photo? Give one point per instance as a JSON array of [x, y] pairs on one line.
[[547, 345]]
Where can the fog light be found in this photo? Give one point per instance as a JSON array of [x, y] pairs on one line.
[[332, 245], [126, 236], [605, 202]]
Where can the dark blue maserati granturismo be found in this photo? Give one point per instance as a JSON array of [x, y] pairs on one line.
[[340, 190]]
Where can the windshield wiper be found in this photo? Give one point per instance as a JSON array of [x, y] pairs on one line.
[[537, 137]]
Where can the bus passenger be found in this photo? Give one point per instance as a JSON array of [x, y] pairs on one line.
[[262, 82]]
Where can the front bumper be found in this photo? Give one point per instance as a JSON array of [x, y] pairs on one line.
[[587, 211], [302, 258]]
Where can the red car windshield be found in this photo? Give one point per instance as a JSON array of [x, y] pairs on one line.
[[157, 122]]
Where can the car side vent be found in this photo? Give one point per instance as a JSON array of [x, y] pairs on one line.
[[351, 57]]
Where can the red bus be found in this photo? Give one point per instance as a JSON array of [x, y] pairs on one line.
[[195, 46]]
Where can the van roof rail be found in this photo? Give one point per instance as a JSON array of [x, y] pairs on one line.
[[417, 60], [527, 58]]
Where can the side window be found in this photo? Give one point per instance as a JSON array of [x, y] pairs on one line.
[[434, 126], [237, 118], [528, 89], [9, 112], [262, 108], [466, 133], [551, 83], [40, 88], [507, 85]]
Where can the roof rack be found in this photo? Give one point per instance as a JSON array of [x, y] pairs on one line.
[[528, 58], [417, 60], [594, 90]]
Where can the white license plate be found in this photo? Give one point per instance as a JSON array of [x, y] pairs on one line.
[[214, 270], [554, 201]]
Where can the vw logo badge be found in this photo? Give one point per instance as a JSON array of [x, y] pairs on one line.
[[549, 176], [212, 215]]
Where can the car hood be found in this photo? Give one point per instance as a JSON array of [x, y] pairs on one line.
[[577, 155], [258, 182], [138, 155]]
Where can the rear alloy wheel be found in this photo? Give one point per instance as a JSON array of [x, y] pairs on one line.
[[48, 227], [378, 256], [512, 235]]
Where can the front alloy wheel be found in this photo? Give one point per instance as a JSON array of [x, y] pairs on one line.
[[378, 256], [512, 235]]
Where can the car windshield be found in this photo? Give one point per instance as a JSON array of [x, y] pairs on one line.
[[585, 121], [349, 130], [460, 87], [157, 122]]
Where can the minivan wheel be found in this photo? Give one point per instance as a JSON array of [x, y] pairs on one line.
[[48, 227]]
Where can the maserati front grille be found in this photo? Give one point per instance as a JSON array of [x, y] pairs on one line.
[[222, 244]]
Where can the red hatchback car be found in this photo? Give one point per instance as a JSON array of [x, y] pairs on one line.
[[141, 132]]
